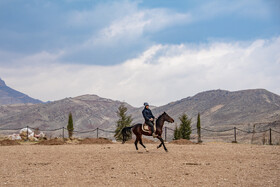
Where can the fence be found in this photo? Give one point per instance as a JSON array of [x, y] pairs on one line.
[[63, 130], [232, 133], [103, 132]]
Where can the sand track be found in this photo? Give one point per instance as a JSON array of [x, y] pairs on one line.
[[211, 164]]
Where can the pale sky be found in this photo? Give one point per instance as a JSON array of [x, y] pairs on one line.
[[139, 51]]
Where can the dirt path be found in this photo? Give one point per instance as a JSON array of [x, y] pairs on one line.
[[211, 164]]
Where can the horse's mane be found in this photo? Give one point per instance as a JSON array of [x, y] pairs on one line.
[[162, 114], [159, 117]]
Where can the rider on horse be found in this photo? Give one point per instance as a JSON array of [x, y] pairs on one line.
[[149, 118]]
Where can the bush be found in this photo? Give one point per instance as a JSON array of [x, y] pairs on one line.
[[185, 127], [124, 121]]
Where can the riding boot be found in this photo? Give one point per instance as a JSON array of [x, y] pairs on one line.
[[153, 132]]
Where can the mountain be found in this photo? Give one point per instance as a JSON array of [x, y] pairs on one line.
[[219, 109], [89, 112], [224, 108], [11, 96]]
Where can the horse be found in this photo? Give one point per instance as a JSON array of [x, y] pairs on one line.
[[138, 131]]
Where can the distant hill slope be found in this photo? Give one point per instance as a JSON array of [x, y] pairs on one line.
[[221, 107], [89, 112], [218, 109], [11, 96]]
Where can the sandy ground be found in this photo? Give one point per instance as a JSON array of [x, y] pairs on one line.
[[210, 164]]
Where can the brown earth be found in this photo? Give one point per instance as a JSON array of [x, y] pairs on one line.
[[95, 141], [75, 141], [207, 164], [144, 140], [9, 142], [55, 141], [182, 142]]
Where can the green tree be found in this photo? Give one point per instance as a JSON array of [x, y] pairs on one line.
[[185, 126], [124, 121], [177, 133], [70, 126], [198, 129]]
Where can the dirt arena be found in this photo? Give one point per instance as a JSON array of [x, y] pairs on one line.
[[210, 164]]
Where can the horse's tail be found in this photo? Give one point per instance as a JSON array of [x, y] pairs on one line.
[[125, 134]]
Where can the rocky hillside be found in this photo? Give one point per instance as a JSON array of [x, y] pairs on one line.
[[218, 109], [11, 96], [89, 112], [221, 108]]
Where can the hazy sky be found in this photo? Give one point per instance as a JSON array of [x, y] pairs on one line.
[[136, 51]]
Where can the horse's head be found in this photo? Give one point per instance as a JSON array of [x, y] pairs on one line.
[[167, 118]]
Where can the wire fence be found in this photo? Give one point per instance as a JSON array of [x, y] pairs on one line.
[[62, 132], [234, 135]]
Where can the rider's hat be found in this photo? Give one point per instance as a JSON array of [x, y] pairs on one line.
[[146, 104]]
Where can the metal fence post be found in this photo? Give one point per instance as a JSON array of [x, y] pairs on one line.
[[234, 135], [270, 138], [165, 134], [63, 133], [97, 132], [27, 133]]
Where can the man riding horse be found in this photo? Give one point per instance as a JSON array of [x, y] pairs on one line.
[[138, 130], [149, 118]]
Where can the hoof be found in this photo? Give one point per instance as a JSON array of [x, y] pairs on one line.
[[166, 150], [146, 150]]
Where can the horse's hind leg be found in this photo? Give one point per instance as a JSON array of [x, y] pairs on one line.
[[143, 145], [136, 141]]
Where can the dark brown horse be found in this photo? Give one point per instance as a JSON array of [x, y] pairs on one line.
[[137, 130]]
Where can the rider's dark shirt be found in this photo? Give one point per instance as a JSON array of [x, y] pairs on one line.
[[147, 114]]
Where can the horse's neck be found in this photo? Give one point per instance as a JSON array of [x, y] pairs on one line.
[[160, 122]]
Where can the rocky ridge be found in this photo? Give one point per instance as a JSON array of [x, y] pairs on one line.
[[10, 96]]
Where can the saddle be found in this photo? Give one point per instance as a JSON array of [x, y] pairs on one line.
[[146, 128]]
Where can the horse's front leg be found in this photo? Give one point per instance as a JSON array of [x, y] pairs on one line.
[[162, 143], [159, 136], [159, 145]]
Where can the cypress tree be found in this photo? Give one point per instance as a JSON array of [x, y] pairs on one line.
[[198, 129], [185, 126], [124, 121], [70, 126]]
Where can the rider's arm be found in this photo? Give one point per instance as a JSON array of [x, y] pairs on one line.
[[153, 115]]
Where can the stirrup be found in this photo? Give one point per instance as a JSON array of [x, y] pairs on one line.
[[154, 135]]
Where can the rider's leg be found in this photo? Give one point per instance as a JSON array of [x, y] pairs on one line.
[[151, 125]]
